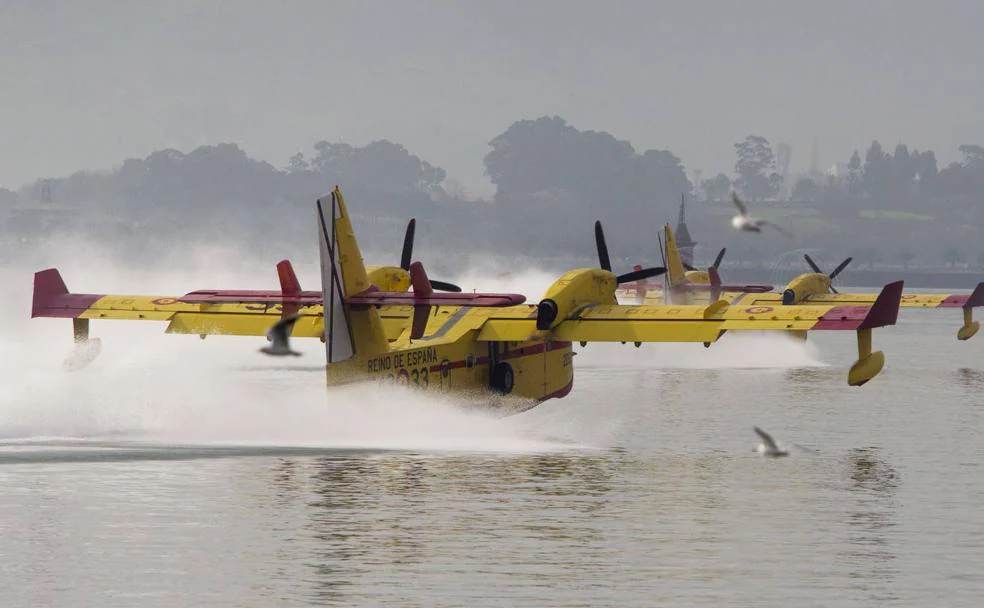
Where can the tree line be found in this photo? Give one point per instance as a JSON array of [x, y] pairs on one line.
[[551, 181]]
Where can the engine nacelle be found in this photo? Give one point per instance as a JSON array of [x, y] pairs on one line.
[[389, 278], [572, 292], [804, 286]]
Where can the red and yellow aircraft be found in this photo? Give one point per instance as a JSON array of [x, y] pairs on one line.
[[468, 342], [693, 286]]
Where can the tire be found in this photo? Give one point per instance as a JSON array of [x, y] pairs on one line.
[[502, 379]]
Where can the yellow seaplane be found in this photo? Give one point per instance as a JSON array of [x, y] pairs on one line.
[[687, 285], [477, 343]]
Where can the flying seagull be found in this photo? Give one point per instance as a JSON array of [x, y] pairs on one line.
[[769, 447], [279, 336], [745, 222]]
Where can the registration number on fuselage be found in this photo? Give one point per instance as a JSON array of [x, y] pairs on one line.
[[396, 361]]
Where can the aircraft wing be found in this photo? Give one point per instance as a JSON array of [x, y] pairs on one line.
[[228, 312], [967, 302], [622, 323], [694, 323], [201, 312], [909, 300]]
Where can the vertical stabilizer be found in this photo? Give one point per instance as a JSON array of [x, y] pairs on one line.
[[348, 330], [675, 272]]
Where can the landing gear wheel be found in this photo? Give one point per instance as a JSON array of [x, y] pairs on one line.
[[501, 381]]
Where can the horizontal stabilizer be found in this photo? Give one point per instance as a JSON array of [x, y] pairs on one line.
[[884, 311], [973, 300]]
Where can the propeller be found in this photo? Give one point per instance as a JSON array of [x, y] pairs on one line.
[[407, 255], [833, 274], [717, 260], [720, 256], [606, 263]]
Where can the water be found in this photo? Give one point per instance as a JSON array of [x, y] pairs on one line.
[[174, 472]]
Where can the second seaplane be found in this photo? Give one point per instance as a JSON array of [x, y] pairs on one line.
[[687, 285], [466, 342]]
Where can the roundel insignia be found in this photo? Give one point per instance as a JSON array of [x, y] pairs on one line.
[[909, 296], [163, 301], [758, 310], [403, 376]]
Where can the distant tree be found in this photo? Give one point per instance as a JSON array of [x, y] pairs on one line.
[[537, 155], [656, 173], [973, 156], [902, 163], [953, 256], [854, 174], [876, 169], [980, 260], [755, 167], [584, 170], [381, 167], [926, 170], [805, 190], [716, 188], [964, 181], [905, 256], [455, 190], [297, 164]]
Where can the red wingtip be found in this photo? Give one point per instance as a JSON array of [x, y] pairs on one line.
[[976, 298], [289, 285], [885, 310], [48, 285]]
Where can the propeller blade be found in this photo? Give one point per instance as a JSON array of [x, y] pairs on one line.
[[715, 278], [408, 245], [842, 266], [638, 275], [687, 266], [442, 286], [812, 264], [833, 290], [720, 256], [603, 260]]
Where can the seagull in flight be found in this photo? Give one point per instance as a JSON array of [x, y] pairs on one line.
[[279, 336], [769, 447], [745, 222]]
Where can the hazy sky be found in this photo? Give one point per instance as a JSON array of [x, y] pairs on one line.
[[87, 84]]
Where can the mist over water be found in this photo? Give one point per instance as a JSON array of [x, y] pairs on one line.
[[146, 386]]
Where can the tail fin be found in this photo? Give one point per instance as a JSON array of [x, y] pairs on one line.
[[675, 272], [349, 330]]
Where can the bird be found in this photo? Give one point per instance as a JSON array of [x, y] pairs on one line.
[[769, 447], [745, 222], [279, 336]]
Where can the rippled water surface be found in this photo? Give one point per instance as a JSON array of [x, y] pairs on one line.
[[174, 472]]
